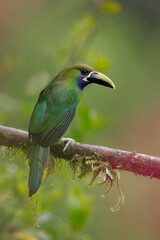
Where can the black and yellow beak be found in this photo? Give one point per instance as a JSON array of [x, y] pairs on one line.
[[101, 79]]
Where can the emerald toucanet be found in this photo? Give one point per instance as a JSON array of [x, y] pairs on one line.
[[53, 113]]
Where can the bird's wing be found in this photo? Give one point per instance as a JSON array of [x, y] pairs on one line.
[[56, 128], [49, 121]]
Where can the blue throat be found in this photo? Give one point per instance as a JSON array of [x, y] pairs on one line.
[[80, 83]]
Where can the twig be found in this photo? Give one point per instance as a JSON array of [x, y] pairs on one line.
[[118, 159]]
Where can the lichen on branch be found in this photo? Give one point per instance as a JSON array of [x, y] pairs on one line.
[[102, 161], [138, 163]]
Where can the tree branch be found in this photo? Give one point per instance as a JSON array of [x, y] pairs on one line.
[[118, 159]]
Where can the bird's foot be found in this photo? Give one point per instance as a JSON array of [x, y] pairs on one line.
[[67, 141]]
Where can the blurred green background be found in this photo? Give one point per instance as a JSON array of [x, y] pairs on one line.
[[37, 39]]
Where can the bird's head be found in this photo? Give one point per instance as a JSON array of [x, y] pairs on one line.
[[83, 75]]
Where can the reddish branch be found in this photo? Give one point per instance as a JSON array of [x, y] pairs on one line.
[[118, 159]]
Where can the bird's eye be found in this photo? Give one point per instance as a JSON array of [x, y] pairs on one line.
[[84, 71]]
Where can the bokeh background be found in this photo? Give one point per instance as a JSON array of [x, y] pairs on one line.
[[121, 39]]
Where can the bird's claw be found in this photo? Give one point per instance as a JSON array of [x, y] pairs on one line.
[[67, 141]]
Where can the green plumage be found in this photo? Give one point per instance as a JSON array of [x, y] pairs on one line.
[[38, 159], [50, 119], [53, 113]]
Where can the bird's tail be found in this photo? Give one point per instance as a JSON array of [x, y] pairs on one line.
[[38, 160]]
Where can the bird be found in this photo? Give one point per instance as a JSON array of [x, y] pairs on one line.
[[53, 113]]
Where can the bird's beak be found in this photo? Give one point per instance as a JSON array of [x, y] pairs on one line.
[[101, 79]]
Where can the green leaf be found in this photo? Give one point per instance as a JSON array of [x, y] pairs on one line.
[[83, 26], [101, 63], [111, 7], [80, 207], [79, 217]]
